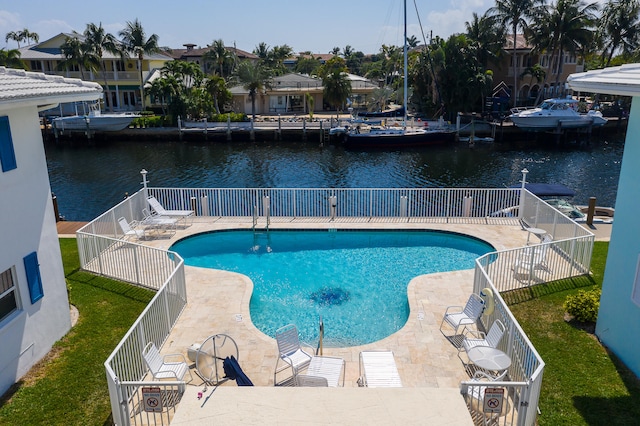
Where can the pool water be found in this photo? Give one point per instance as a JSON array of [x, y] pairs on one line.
[[355, 280]]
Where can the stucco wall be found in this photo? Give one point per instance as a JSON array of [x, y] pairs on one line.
[[619, 317], [28, 225]]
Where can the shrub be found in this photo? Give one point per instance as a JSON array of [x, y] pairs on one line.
[[584, 305], [235, 117]]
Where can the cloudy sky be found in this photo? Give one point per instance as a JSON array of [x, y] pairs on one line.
[[316, 26]]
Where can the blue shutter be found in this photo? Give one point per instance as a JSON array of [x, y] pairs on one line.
[[34, 280], [7, 155]]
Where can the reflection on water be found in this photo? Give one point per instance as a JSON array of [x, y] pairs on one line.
[[91, 178]]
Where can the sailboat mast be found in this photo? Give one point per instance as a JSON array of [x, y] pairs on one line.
[[405, 65]]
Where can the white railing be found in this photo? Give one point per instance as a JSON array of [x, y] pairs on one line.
[[155, 323], [103, 251], [349, 202]]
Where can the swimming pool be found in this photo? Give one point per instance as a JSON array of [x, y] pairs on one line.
[[356, 280]]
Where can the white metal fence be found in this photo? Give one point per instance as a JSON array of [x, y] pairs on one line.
[[103, 251]]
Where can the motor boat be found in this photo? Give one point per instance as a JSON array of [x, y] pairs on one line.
[[556, 113], [95, 120]]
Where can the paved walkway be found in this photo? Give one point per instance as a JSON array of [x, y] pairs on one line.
[[219, 303]]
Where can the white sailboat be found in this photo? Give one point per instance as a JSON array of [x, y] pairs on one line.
[[397, 137]]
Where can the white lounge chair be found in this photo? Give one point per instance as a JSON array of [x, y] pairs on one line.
[[474, 338], [378, 370], [177, 214], [129, 230], [458, 317], [311, 381], [290, 352], [159, 223], [161, 367]]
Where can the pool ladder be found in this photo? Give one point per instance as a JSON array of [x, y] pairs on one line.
[[320, 338]]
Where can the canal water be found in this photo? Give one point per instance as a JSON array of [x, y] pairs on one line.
[[88, 178]]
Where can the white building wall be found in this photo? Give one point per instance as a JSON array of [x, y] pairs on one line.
[[28, 225]]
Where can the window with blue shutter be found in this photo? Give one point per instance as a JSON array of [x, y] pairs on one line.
[[34, 280], [7, 154]]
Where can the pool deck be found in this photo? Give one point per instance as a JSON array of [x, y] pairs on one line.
[[218, 303]]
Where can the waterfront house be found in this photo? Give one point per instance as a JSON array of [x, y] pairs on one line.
[[287, 93], [34, 306], [191, 53], [528, 85], [123, 75], [618, 325]]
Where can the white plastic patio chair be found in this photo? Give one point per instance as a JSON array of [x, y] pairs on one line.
[[533, 258], [129, 230], [475, 397], [473, 338], [290, 352], [311, 381], [457, 317], [156, 222], [177, 214], [161, 367]]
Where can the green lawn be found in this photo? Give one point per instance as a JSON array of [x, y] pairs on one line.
[[583, 384], [70, 388]]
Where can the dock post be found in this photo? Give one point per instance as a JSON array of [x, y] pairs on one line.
[[206, 131], [304, 128], [591, 210], [179, 128], [279, 131], [321, 133], [252, 133], [229, 127]]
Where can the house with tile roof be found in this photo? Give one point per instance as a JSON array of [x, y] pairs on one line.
[[34, 306], [526, 57], [123, 76], [618, 325], [191, 53]]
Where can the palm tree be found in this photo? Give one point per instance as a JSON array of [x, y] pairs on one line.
[[537, 72], [412, 42], [99, 41], [78, 54], [15, 36], [254, 78], [619, 28], [335, 51], [218, 54], [216, 87], [136, 41], [337, 88], [261, 51], [514, 13], [10, 58], [563, 27], [27, 36], [487, 35], [277, 57]]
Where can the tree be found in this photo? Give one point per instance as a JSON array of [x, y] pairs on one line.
[[78, 54], [619, 28], [277, 57], [254, 78], [10, 58], [216, 87], [335, 51], [135, 41], [27, 36], [15, 36], [307, 65], [514, 14], [219, 55], [337, 86], [412, 42], [487, 35], [560, 28], [261, 51], [99, 41]]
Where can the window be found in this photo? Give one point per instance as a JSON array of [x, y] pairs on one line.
[[34, 280], [36, 66], [7, 154], [8, 299]]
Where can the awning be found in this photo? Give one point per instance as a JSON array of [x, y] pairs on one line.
[[547, 189]]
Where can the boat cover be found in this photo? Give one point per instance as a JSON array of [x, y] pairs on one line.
[[547, 189]]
